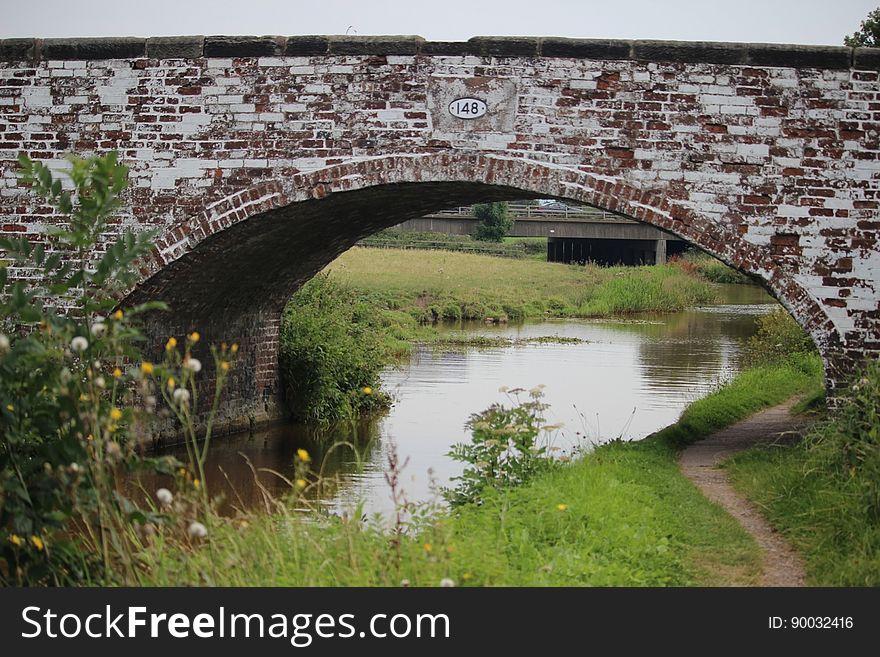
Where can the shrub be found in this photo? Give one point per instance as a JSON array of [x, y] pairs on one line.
[[75, 396], [331, 353], [494, 224], [505, 449], [778, 338]]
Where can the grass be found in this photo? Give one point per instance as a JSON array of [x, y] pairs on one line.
[[445, 285], [621, 515], [823, 494]]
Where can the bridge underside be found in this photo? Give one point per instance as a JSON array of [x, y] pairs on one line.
[[234, 286]]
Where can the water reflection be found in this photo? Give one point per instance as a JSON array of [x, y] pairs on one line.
[[628, 379]]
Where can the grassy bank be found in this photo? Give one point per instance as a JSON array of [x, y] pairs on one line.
[[511, 247], [443, 285], [823, 494], [621, 515]]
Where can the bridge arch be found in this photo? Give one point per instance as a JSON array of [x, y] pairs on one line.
[[229, 270]]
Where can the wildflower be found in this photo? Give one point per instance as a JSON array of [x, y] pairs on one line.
[[194, 336], [113, 449], [117, 373], [503, 389], [181, 396], [428, 548], [164, 496], [98, 329], [367, 390], [5, 347], [84, 397], [10, 408], [404, 583], [116, 414], [197, 530], [303, 455], [74, 467], [171, 383], [147, 367], [118, 315], [194, 365], [446, 583], [171, 344], [38, 543], [300, 483], [79, 344], [16, 540], [224, 365], [65, 375], [100, 382], [561, 507], [466, 576], [234, 348], [197, 484]]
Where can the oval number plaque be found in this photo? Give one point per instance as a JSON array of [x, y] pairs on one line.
[[467, 108]]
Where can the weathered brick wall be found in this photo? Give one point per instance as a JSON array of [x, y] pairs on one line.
[[261, 158]]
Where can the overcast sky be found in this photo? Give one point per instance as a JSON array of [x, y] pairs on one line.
[[780, 21]]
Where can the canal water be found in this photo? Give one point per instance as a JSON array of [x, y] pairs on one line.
[[626, 379]]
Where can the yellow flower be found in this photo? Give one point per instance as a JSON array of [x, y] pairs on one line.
[[15, 539], [90, 437], [112, 428], [171, 383], [84, 397], [466, 576], [300, 483], [428, 547], [194, 336], [117, 373], [234, 348], [224, 365], [562, 507], [171, 344], [367, 390], [147, 367], [197, 484], [10, 407], [118, 315], [303, 455], [182, 472], [38, 543], [116, 414]]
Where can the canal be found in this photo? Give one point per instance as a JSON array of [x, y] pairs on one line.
[[625, 379]]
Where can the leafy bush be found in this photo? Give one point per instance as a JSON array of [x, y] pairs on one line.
[[778, 338], [331, 353], [505, 449], [74, 397], [494, 224]]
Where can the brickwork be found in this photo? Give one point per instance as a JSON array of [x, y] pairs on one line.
[[259, 159]]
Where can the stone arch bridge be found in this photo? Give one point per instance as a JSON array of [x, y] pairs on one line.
[[259, 159]]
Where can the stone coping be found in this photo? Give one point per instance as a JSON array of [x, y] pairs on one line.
[[196, 47]]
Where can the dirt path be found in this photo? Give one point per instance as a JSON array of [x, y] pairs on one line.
[[782, 566]]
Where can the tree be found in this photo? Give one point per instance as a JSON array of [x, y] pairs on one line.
[[495, 222], [868, 35]]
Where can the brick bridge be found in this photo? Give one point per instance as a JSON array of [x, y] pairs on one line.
[[260, 159]]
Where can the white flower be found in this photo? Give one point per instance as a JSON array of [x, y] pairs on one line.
[[4, 344], [193, 365], [79, 344], [181, 396], [98, 329], [65, 375], [446, 583], [100, 382], [164, 496], [404, 583], [197, 530]]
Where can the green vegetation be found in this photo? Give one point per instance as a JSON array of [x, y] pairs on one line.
[[701, 264], [534, 248], [868, 35], [442, 285], [331, 352], [75, 402], [494, 222], [824, 493]]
